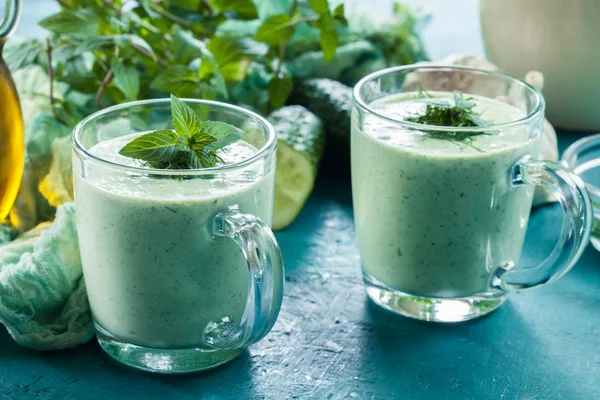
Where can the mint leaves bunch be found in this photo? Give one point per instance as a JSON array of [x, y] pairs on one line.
[[193, 144], [106, 52]]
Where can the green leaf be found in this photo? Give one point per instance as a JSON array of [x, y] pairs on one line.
[[65, 52], [319, 6], [204, 158], [186, 47], [157, 146], [339, 15], [194, 159], [236, 72], [22, 54], [185, 120], [94, 43], [280, 87], [230, 49], [190, 5], [218, 85], [242, 9], [233, 55], [266, 8], [338, 12], [146, 5], [178, 79], [206, 68], [200, 140], [275, 30], [77, 73], [224, 134], [329, 42], [82, 22], [136, 43], [127, 79]]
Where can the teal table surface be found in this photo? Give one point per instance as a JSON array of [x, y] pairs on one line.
[[330, 342]]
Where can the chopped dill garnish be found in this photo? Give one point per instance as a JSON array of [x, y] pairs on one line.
[[461, 114]]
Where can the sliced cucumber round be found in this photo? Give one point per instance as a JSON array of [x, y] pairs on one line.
[[301, 141], [294, 181]]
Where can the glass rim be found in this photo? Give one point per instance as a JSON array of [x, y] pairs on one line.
[[360, 102], [570, 158], [266, 149]]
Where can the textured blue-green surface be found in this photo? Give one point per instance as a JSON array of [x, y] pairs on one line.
[[331, 343]]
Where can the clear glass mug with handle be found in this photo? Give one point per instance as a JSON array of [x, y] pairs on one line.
[[181, 268], [440, 221]]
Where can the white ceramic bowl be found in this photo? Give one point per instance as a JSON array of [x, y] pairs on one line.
[[561, 39]]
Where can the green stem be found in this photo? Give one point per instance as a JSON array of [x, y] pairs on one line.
[[281, 57], [64, 4], [293, 8], [208, 7], [105, 82], [148, 26], [107, 78], [170, 16], [51, 78], [146, 54], [295, 22]]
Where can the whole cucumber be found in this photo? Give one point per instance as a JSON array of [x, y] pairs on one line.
[[300, 129], [331, 101]]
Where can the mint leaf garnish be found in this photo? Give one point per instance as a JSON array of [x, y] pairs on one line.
[[224, 134], [200, 141], [193, 144], [157, 146], [185, 120]]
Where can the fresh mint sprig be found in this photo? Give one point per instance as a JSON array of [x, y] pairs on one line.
[[193, 144]]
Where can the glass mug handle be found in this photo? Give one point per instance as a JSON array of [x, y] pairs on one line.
[[12, 11], [265, 289], [570, 191]]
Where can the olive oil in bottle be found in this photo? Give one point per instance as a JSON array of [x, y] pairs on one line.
[[11, 122]]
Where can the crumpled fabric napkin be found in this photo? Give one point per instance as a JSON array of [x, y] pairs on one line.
[[43, 302]]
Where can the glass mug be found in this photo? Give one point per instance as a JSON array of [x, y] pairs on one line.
[[440, 227], [181, 268], [583, 157]]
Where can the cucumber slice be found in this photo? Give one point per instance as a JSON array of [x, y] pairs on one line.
[[294, 181], [301, 141]]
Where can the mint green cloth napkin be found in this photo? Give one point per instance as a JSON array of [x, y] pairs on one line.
[[43, 302]]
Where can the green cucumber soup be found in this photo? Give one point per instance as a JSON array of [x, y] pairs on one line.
[[433, 216], [155, 275]]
